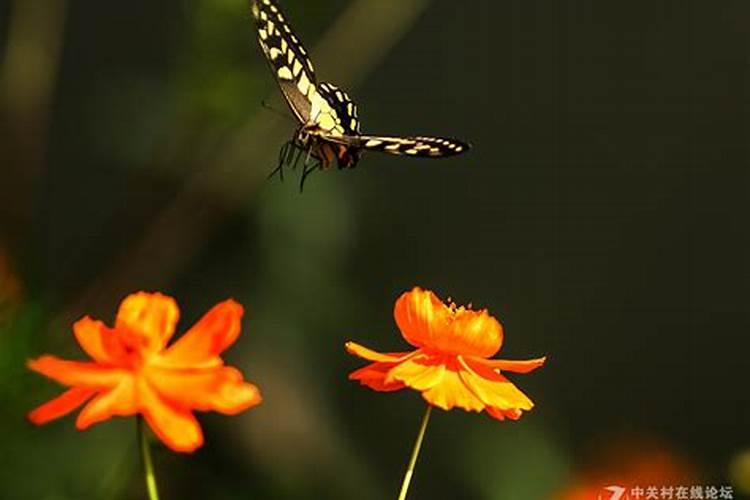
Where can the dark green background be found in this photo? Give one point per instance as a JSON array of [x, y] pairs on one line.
[[601, 216]]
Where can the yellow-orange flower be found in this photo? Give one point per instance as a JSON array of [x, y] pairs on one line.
[[451, 366], [133, 371]]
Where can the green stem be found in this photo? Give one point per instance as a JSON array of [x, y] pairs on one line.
[[148, 465], [414, 455]]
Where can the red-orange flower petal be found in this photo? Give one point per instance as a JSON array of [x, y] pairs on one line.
[[121, 400], [99, 341], [500, 414], [421, 316], [504, 365], [473, 333], [425, 321], [220, 389], [60, 406], [76, 373], [147, 320], [176, 427], [374, 377], [207, 339]]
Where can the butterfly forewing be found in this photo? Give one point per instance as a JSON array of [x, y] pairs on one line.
[[287, 56]]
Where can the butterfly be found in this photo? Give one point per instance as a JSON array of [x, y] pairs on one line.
[[329, 126]]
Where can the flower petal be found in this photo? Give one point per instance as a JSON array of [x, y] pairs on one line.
[[99, 341], [425, 321], [220, 389], [503, 414], [492, 388], [120, 400], [474, 333], [451, 392], [524, 366], [60, 406], [76, 373], [374, 377], [149, 317], [421, 317], [370, 355], [176, 427], [207, 339], [419, 372]]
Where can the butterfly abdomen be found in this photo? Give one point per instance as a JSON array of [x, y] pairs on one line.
[[348, 157]]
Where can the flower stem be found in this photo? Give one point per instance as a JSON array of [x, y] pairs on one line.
[[148, 465], [415, 455]]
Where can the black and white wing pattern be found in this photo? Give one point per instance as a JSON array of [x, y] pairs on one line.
[[418, 147], [329, 126], [344, 111], [287, 57], [315, 106]]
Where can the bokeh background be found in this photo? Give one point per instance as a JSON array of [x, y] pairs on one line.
[[602, 216]]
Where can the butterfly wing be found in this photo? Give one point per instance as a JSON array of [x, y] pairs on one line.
[[344, 117], [287, 57], [418, 147]]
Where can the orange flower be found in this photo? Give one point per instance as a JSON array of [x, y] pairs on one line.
[[135, 372], [450, 366], [631, 464]]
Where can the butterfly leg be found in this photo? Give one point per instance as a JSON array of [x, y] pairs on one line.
[[307, 171], [284, 154], [295, 156], [308, 168]]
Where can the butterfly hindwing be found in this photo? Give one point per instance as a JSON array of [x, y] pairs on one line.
[[418, 147], [287, 57], [342, 109]]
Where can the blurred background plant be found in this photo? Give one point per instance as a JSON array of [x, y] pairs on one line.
[[601, 215]]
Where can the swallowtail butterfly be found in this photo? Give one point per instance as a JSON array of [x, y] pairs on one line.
[[329, 126]]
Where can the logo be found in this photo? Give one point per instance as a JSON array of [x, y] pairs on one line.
[[613, 493]]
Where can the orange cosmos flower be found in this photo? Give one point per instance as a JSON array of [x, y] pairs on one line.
[[451, 366], [632, 465], [135, 372]]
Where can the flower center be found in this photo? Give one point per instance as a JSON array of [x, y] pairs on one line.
[[136, 348]]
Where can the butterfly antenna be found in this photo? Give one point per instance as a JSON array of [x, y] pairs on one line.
[[276, 111]]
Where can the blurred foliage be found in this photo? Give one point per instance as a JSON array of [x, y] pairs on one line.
[[520, 462]]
